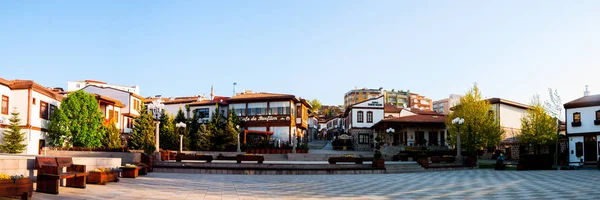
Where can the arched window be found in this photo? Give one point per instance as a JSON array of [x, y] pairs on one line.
[[369, 117], [360, 117]]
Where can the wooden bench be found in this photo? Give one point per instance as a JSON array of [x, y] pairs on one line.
[[334, 160], [241, 158], [130, 172], [181, 157], [147, 163], [50, 172]]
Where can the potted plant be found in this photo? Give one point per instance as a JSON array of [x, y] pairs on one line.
[[377, 160], [17, 185]]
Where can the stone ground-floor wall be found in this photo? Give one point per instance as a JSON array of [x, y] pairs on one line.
[[357, 145], [125, 157]]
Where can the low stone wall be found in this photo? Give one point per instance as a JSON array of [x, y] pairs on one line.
[[266, 169], [125, 157], [25, 164]]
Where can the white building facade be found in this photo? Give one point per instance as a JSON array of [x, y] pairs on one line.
[[583, 129], [34, 103], [360, 118], [77, 85]]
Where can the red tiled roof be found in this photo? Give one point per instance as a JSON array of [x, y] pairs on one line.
[[507, 102], [251, 96], [389, 108], [587, 101], [424, 112], [27, 84], [105, 98]]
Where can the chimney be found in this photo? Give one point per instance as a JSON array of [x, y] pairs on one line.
[[586, 92]]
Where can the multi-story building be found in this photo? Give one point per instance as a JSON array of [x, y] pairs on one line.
[[420, 102], [508, 115], [77, 85], [35, 104], [583, 129], [335, 126], [174, 104], [313, 127], [359, 119], [443, 106], [276, 117], [399, 99], [360, 95]]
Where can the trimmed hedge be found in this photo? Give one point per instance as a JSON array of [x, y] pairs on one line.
[[535, 162]]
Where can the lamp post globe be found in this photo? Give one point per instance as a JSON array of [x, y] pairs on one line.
[[458, 122]]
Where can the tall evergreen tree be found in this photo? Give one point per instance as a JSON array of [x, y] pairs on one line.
[[82, 119], [180, 117], [142, 136], [169, 138], [480, 129], [13, 140]]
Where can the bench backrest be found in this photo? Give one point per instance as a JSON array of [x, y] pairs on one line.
[[45, 161], [64, 161]]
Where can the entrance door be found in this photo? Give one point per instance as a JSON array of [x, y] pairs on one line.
[[574, 155], [41, 146], [590, 149]]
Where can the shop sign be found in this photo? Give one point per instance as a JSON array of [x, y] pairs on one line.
[[264, 118]]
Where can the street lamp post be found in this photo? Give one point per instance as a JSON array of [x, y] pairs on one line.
[[180, 125], [156, 108], [458, 122], [390, 131], [294, 142], [237, 128]]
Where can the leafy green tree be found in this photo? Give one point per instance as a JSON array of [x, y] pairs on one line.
[[169, 138], [537, 127], [113, 135], [83, 121], [142, 136], [480, 129], [58, 129], [316, 105], [13, 140]]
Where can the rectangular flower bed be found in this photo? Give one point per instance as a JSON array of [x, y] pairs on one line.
[[130, 171], [22, 187], [257, 158], [356, 160], [103, 177], [181, 157]]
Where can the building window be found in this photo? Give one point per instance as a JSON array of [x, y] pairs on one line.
[[299, 112], [43, 110], [111, 115], [117, 116], [576, 119], [364, 96], [33, 101], [597, 121], [202, 113], [359, 117], [369, 117], [51, 110], [4, 108], [363, 139]]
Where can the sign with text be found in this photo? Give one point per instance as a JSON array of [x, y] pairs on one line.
[[264, 118], [375, 103]]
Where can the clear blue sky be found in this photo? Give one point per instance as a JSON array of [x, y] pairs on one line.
[[313, 49]]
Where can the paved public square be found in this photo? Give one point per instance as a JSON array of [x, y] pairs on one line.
[[466, 184]]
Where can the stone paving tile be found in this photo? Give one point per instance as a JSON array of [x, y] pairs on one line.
[[465, 184]]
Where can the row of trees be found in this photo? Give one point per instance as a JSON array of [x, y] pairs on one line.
[[481, 129], [218, 134]]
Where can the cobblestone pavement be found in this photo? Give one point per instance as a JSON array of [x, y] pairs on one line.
[[466, 184]]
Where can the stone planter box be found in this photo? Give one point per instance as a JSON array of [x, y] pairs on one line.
[[102, 177], [20, 187], [356, 160], [130, 172], [258, 159], [181, 157]]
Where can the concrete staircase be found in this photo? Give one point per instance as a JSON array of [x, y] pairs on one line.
[[403, 168]]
